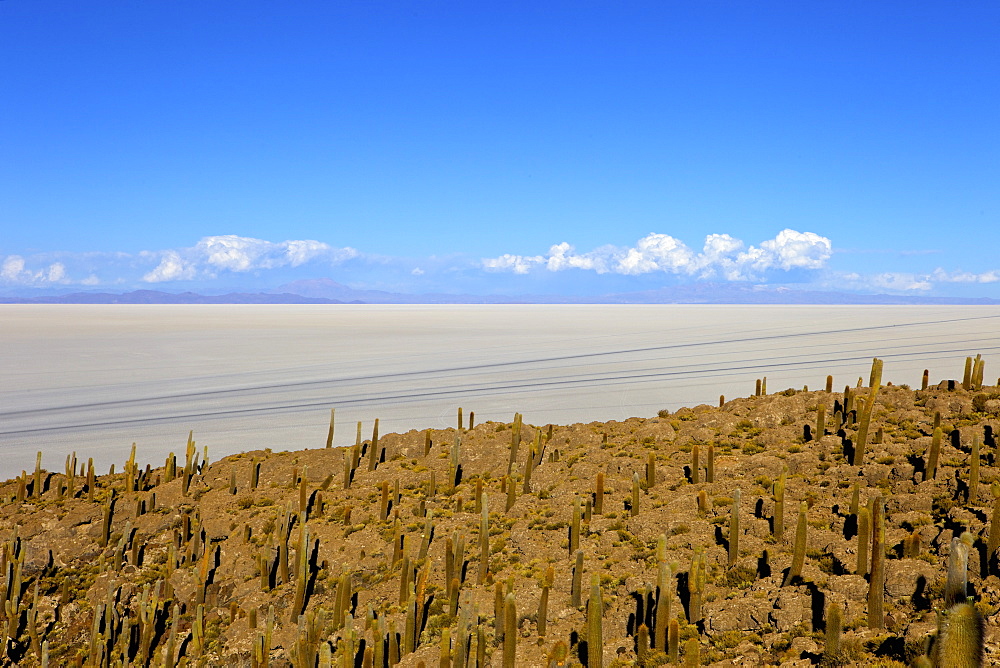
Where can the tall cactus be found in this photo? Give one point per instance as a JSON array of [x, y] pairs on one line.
[[960, 642], [799, 551], [595, 633], [866, 414]]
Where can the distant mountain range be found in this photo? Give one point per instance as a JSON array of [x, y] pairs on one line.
[[327, 291]]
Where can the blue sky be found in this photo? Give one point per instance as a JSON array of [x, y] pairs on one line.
[[545, 147]]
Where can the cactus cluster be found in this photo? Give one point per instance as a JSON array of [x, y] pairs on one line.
[[644, 542]]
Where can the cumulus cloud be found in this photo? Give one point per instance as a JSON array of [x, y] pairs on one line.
[[518, 264], [721, 255], [900, 282], [172, 267], [942, 276], [14, 271], [240, 254]]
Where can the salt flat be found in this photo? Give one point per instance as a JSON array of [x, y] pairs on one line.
[[96, 378]]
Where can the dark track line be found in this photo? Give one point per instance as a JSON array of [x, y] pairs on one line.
[[457, 390], [495, 365]]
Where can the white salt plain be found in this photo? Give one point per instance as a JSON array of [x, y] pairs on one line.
[[95, 379]]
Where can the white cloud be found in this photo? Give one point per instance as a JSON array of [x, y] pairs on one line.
[[171, 268], [657, 252], [518, 264], [900, 281], [238, 254], [14, 270], [721, 254], [943, 276]]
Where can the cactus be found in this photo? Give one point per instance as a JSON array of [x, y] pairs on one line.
[[876, 583], [993, 538], [692, 653], [484, 541], [702, 497], [529, 463], [383, 508], [373, 454], [974, 472], [595, 633], [866, 413], [960, 641], [543, 602], [576, 587], [329, 434], [695, 465], [820, 421], [935, 451], [799, 551], [957, 583], [303, 492], [834, 629], [515, 442], [642, 645], [599, 494], [635, 494], [651, 470], [734, 529], [864, 540], [673, 641], [697, 577], [710, 464], [301, 574], [510, 632], [574, 527], [778, 494], [665, 593]]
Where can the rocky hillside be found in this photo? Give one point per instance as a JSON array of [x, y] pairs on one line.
[[768, 530]]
